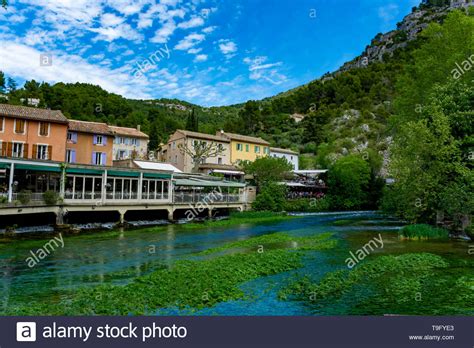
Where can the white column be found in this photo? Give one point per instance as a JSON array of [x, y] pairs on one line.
[[140, 183], [104, 186], [10, 182]]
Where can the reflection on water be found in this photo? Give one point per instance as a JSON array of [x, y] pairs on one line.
[[118, 256]]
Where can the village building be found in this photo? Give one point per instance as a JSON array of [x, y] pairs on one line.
[[245, 148], [32, 133], [186, 139], [89, 143], [129, 143], [291, 156]]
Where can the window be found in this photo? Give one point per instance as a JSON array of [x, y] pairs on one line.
[[99, 140], [239, 147], [70, 156], [17, 149], [219, 160], [174, 145], [41, 152], [72, 137], [134, 141], [265, 150], [19, 126], [257, 149], [43, 129], [220, 147], [2, 124], [98, 158], [175, 158], [122, 154], [247, 147]]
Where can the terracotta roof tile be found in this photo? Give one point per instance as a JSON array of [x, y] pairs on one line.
[[30, 113], [203, 136], [89, 127], [244, 138], [131, 132]]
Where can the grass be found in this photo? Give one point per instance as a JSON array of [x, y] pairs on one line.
[[422, 231], [187, 284]]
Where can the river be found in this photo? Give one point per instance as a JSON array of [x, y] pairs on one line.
[[119, 256]]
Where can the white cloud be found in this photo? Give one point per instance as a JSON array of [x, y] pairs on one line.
[[22, 61], [192, 23], [260, 71], [163, 34], [194, 50], [110, 20], [227, 47], [200, 58], [124, 31], [209, 29], [189, 41]]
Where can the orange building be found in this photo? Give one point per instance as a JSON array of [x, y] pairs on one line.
[[32, 133], [89, 143]]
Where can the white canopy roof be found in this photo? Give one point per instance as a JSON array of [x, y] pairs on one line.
[[235, 172], [157, 166]]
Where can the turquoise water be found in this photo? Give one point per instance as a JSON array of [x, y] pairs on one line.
[[119, 256]]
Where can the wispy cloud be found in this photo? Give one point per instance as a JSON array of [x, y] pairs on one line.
[[227, 47]]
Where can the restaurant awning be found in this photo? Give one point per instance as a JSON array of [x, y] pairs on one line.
[[233, 172], [39, 168]]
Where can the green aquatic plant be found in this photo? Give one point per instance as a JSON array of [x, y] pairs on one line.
[[422, 231], [404, 284], [276, 240], [187, 284]]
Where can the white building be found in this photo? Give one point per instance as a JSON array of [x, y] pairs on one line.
[[291, 156], [129, 143]]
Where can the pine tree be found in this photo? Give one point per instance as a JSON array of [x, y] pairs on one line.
[[2, 82], [11, 85]]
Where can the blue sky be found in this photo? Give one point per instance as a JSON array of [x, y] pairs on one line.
[[208, 52]]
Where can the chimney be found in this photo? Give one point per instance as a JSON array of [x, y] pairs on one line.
[[138, 127], [222, 131]]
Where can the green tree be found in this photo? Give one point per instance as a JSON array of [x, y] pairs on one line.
[[348, 181], [267, 170], [271, 198], [250, 116], [2, 82], [11, 85], [192, 123]]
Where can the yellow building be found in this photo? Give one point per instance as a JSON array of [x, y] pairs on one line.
[[245, 148]]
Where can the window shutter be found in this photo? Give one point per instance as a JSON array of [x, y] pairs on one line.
[[104, 140], [73, 156], [95, 140], [9, 149], [104, 158], [35, 151], [127, 141], [93, 157], [138, 142], [50, 152], [74, 138]]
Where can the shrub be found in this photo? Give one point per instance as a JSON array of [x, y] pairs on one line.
[[24, 196], [271, 198], [422, 231], [3, 199], [50, 197], [307, 205]]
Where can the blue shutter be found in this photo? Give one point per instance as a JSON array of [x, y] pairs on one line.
[[138, 142], [93, 158], [74, 138], [73, 156], [95, 139], [104, 140], [104, 158]]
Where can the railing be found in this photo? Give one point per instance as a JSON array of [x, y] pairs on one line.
[[182, 197]]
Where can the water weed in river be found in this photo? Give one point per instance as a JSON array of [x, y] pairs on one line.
[[404, 284], [191, 284]]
